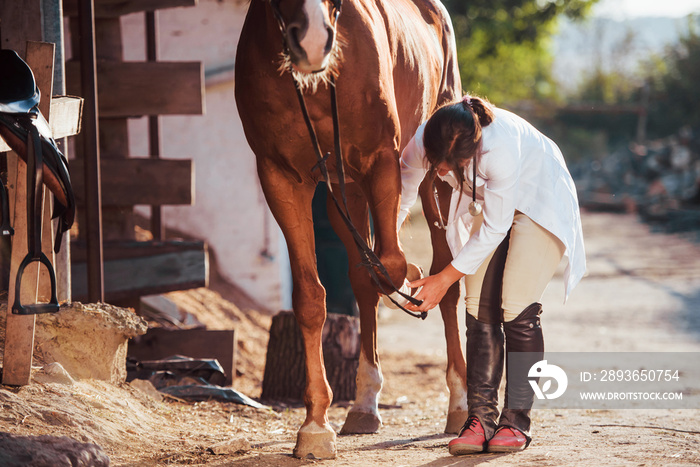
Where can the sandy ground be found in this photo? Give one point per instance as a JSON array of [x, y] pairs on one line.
[[642, 293]]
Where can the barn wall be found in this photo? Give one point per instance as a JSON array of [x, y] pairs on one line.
[[230, 212]]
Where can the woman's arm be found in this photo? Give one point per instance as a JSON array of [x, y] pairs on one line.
[[434, 288], [502, 169], [501, 166], [413, 170]]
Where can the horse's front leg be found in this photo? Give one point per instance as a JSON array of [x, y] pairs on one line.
[[382, 188], [290, 203], [364, 415], [456, 374]]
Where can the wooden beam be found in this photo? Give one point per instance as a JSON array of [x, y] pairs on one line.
[[41, 55], [114, 8], [21, 22], [119, 250], [19, 330], [134, 269], [64, 118], [134, 89], [128, 182]]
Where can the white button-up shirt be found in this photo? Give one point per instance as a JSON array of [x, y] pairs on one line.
[[520, 169]]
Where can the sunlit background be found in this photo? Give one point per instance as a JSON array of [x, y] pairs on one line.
[[620, 9]]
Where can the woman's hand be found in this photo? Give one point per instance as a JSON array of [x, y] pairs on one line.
[[434, 288]]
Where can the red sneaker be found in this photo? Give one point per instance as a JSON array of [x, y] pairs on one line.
[[507, 439], [471, 439]]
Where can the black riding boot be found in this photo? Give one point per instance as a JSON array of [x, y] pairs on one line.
[[484, 371], [523, 334]]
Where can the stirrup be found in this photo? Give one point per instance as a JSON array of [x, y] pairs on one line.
[[38, 308]]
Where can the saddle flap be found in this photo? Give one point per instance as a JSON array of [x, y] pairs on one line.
[[18, 90]]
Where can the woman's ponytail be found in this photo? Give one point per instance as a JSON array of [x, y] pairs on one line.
[[453, 133], [481, 108]]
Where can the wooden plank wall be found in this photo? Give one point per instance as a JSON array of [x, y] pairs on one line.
[[116, 8], [134, 89], [141, 181]]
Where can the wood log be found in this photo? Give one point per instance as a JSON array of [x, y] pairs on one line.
[[285, 374]]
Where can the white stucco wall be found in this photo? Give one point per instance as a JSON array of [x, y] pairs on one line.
[[229, 211]]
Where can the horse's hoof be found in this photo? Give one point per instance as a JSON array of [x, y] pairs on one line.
[[361, 423], [315, 442], [414, 272], [455, 421]]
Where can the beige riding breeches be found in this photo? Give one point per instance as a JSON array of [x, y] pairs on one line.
[[516, 274]]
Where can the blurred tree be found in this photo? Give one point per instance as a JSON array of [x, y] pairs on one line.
[[503, 45], [669, 81], [675, 97]]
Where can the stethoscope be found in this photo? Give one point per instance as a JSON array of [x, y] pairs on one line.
[[475, 208]]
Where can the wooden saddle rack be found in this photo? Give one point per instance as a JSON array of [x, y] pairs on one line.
[[26, 131]]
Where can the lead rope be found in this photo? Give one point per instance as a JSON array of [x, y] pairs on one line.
[[369, 258]]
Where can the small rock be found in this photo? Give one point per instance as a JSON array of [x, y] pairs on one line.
[[53, 373], [232, 446], [49, 451], [89, 340], [147, 388]]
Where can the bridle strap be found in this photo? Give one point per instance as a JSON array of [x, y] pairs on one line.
[[369, 258]]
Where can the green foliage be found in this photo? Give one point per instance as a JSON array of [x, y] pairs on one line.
[[608, 88], [513, 21], [510, 73], [502, 45]]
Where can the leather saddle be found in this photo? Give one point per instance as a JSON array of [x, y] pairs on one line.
[[26, 131]]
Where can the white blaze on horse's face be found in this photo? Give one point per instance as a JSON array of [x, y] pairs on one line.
[[310, 37]]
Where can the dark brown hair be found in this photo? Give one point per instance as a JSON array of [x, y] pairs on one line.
[[453, 134]]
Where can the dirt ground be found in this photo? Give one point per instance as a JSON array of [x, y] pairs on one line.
[[642, 293]]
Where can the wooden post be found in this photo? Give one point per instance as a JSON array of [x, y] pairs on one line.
[[19, 335], [40, 58], [91, 151]]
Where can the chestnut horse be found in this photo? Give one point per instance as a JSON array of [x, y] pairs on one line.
[[393, 62]]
